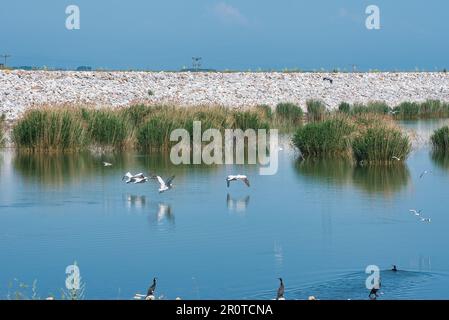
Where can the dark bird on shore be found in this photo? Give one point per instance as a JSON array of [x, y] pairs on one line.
[[395, 269], [151, 289], [281, 290], [328, 79]]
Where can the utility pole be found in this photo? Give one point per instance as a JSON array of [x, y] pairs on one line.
[[5, 56], [196, 63]]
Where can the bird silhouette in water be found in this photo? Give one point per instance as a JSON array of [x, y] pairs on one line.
[[395, 269], [151, 289], [281, 290], [328, 79], [373, 293]]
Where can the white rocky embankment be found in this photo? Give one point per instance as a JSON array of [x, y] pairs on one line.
[[20, 90]]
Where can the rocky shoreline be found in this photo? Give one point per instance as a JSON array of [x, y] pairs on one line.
[[20, 90]]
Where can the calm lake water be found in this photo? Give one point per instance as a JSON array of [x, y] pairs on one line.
[[316, 224]]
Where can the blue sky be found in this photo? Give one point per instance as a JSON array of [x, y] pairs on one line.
[[229, 34]]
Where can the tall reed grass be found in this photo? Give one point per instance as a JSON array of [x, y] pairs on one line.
[[68, 129], [403, 111], [50, 129], [316, 110], [381, 145], [289, 114], [2, 130], [331, 137], [440, 140], [366, 138]]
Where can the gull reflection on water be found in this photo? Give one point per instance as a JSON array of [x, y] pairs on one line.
[[237, 205], [133, 201], [164, 213]]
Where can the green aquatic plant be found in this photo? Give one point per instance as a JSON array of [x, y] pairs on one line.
[[407, 110], [50, 129], [331, 137], [2, 130], [249, 120], [368, 138], [107, 127], [376, 107], [440, 139], [288, 114], [344, 107], [316, 110], [265, 111], [381, 144]]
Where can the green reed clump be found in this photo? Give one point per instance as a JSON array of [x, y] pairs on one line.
[[106, 127], [155, 133], [289, 113], [408, 110], [265, 111], [380, 144], [440, 139], [332, 137], [2, 130], [376, 107], [344, 107], [249, 120], [316, 110], [57, 129], [366, 137], [137, 114]]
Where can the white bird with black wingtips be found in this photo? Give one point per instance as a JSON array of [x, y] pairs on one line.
[[240, 177], [135, 178], [165, 185]]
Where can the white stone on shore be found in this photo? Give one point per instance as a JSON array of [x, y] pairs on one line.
[[20, 90]]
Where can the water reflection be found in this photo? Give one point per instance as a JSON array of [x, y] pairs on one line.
[[54, 169], [371, 179], [163, 214], [441, 159], [381, 179], [58, 170], [237, 205], [133, 201]]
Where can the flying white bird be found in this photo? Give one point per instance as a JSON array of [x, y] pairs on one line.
[[135, 178], [165, 185], [396, 158], [107, 164], [237, 177], [426, 220], [424, 173], [417, 213]]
